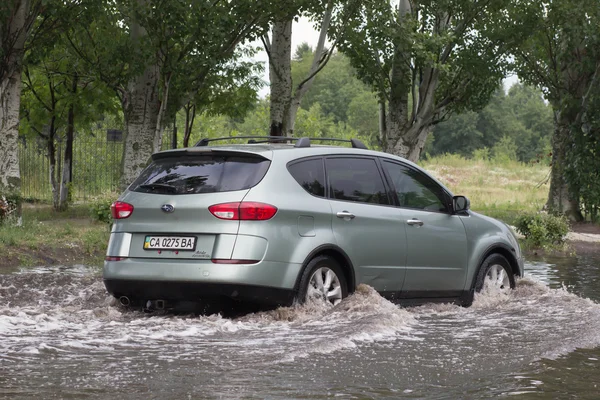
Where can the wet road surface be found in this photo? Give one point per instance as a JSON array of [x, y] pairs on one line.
[[62, 336]]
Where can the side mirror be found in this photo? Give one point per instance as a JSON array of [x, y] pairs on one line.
[[460, 204]]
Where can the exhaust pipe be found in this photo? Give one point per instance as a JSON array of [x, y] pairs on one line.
[[124, 300], [160, 304]]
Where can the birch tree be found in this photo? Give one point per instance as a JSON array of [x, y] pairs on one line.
[[426, 59], [16, 20], [286, 95]]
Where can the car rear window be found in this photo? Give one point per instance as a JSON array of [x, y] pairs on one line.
[[201, 174]]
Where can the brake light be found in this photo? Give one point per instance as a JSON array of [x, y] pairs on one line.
[[243, 211], [121, 210]]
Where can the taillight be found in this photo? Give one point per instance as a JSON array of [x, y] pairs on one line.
[[244, 211], [121, 210]]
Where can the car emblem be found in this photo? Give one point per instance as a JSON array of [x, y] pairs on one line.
[[168, 208]]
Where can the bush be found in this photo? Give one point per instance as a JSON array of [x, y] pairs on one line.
[[542, 229], [504, 151], [482, 154], [100, 210]]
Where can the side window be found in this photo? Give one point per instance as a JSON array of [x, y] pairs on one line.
[[356, 179], [414, 189], [310, 174]]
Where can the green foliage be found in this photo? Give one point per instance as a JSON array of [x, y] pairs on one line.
[[462, 50], [338, 91], [505, 150], [482, 154], [100, 210], [542, 229], [521, 115]]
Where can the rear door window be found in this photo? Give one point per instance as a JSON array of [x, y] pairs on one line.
[[310, 174], [356, 179], [201, 174]]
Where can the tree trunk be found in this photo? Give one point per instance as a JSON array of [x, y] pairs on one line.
[[319, 61], [408, 128], [560, 198], [10, 100], [142, 111], [68, 157], [16, 27], [382, 123], [190, 115], [52, 170], [397, 114], [174, 133], [280, 75], [141, 106]]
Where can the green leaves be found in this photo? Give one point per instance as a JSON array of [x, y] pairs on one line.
[[542, 229]]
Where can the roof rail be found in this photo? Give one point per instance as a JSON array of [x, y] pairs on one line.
[[252, 139], [300, 142], [305, 142]]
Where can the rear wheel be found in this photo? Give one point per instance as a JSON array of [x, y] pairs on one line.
[[495, 274], [323, 279]]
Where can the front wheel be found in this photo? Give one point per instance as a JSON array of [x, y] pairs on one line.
[[323, 279], [495, 274]]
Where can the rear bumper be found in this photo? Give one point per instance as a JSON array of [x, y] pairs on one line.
[[264, 282], [196, 291]]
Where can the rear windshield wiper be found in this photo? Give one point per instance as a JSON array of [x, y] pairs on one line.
[[158, 187]]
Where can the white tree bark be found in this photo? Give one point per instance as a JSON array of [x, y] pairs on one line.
[[141, 107], [10, 96], [10, 99], [280, 75]]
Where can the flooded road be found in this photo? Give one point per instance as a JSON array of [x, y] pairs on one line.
[[62, 336]]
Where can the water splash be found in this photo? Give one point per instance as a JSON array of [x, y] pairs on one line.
[[63, 317]]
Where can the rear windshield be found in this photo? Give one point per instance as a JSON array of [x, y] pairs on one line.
[[201, 174]]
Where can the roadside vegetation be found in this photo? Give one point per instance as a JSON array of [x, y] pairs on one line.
[[48, 237], [500, 188]]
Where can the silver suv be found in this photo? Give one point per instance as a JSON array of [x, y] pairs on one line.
[[279, 220]]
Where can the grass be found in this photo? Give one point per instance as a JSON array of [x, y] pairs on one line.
[[50, 237], [499, 189]]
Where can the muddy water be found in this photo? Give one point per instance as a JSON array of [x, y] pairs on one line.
[[61, 336]]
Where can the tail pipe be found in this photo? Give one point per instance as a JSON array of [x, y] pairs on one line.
[[124, 300]]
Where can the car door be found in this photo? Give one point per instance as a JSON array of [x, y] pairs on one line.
[[364, 222], [436, 262]]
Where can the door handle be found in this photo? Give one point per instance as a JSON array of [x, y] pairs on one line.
[[345, 214], [414, 221]]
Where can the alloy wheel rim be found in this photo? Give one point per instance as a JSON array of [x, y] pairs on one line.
[[324, 284], [497, 278]]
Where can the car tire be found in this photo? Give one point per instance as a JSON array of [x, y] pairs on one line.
[[314, 281], [495, 270]]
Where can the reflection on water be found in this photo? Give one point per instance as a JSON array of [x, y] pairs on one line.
[[62, 336]]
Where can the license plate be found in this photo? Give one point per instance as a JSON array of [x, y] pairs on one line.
[[170, 243]]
